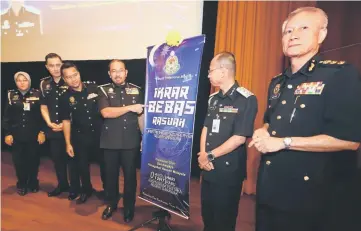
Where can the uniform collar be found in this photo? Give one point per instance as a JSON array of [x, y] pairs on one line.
[[60, 83], [307, 69], [120, 86], [231, 93], [74, 91]]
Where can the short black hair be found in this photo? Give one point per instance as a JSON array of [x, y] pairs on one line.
[[116, 60], [52, 55], [67, 65]]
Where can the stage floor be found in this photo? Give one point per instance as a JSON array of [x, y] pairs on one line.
[[38, 212]]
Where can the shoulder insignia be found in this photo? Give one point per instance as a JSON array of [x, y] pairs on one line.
[[134, 85], [332, 63], [277, 76], [45, 78], [104, 85], [9, 95], [243, 91], [213, 94], [89, 82]]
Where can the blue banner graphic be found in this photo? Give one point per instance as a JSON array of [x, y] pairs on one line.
[[171, 97]]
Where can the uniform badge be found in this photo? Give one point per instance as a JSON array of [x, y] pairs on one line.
[[15, 97], [64, 87], [132, 91], [92, 95], [72, 100], [171, 64], [276, 91], [110, 90], [312, 88], [47, 87]]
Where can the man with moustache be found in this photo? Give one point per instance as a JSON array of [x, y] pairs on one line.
[[120, 104], [310, 136], [51, 89], [81, 126]]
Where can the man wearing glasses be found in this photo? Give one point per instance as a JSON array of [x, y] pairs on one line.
[[222, 157], [120, 104]]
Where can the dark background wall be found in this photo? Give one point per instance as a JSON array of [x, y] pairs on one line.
[[96, 70]]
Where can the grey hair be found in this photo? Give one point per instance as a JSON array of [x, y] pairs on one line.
[[306, 9]]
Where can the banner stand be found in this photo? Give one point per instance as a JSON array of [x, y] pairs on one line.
[[170, 97], [162, 216]]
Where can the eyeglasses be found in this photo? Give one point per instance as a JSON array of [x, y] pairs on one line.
[[210, 71], [118, 71]]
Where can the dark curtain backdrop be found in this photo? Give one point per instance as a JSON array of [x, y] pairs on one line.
[[96, 70]]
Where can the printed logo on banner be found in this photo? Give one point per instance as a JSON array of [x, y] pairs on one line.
[[172, 65]]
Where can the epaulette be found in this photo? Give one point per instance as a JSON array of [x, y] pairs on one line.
[[134, 85], [245, 92], [211, 96], [215, 93], [9, 94], [332, 63], [45, 78], [89, 82], [276, 76], [104, 85]]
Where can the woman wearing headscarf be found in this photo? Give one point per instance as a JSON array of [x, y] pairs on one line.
[[23, 125]]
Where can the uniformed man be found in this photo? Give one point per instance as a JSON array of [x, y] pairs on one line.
[[51, 89], [20, 21], [310, 134], [81, 125], [229, 121], [120, 103], [23, 128]]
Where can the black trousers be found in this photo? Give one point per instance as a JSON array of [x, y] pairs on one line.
[[26, 161], [79, 167], [341, 212], [271, 219], [60, 159], [219, 206], [127, 159]]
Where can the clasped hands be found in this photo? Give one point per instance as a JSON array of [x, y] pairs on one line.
[[203, 162], [264, 143]]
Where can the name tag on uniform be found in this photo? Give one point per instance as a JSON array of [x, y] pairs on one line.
[[33, 98], [228, 109], [215, 125], [26, 106], [313, 88], [132, 91]]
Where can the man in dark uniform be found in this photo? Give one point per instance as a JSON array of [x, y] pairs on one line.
[[81, 125], [311, 131], [51, 89], [230, 120], [20, 21], [120, 103], [23, 128]]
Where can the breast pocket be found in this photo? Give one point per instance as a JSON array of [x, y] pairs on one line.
[[114, 100]]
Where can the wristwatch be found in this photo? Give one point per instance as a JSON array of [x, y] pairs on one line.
[[287, 142], [210, 156]]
